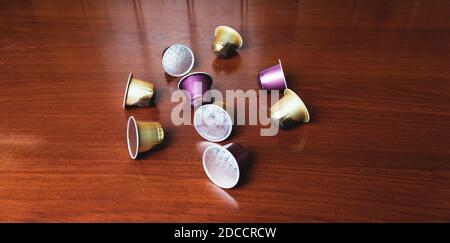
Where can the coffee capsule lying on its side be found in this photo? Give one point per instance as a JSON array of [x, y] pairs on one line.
[[289, 109], [212, 122], [223, 164], [143, 136], [196, 84], [272, 78], [177, 60], [226, 41], [138, 93]]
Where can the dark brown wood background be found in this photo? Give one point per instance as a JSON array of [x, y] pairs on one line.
[[374, 74]]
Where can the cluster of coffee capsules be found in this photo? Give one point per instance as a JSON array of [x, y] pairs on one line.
[[222, 164]]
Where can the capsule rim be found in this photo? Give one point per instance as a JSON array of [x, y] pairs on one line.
[[124, 104], [133, 155], [282, 71]]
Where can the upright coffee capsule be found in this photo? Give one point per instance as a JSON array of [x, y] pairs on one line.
[[196, 84], [177, 60], [138, 93], [213, 122], [226, 41], [289, 109], [143, 136], [223, 164], [272, 78]]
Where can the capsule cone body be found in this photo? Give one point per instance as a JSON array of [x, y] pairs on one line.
[[272, 78], [196, 85], [143, 136], [289, 109]]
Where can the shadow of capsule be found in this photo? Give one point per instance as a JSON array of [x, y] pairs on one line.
[[228, 65]]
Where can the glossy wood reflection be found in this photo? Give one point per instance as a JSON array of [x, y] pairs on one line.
[[374, 74]]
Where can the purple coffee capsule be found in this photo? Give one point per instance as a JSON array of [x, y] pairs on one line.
[[272, 78], [223, 164], [196, 84]]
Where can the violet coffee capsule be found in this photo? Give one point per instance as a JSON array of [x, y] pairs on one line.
[[196, 84], [272, 78], [223, 164]]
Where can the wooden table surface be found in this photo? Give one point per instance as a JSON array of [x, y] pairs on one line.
[[374, 74]]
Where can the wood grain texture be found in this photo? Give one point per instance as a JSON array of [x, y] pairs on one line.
[[374, 74]]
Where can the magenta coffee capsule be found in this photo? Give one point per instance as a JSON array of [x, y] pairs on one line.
[[223, 164], [177, 60], [212, 122], [272, 78], [196, 84]]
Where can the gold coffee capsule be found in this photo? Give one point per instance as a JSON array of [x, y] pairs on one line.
[[289, 109], [143, 136], [220, 104], [138, 93], [226, 41]]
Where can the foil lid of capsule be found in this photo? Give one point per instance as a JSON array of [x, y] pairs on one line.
[[177, 60], [212, 122]]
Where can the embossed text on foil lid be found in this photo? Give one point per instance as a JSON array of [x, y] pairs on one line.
[[177, 60]]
